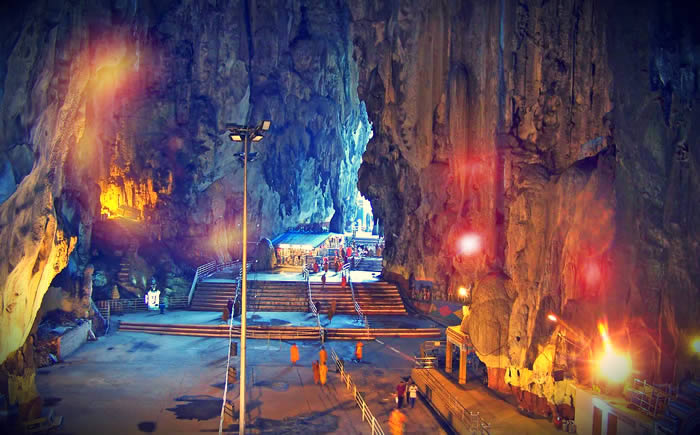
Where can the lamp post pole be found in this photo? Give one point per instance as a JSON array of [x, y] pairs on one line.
[[244, 273], [245, 134]]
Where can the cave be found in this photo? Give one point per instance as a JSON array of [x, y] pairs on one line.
[[510, 187]]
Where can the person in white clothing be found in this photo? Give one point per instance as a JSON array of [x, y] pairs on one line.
[[412, 394]]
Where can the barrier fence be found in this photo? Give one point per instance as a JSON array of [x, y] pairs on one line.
[[367, 415], [471, 419], [120, 306]]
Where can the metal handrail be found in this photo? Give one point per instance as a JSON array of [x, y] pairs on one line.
[[307, 276], [472, 418], [206, 270], [362, 317], [366, 413]]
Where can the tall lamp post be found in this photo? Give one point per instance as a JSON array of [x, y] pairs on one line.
[[245, 134]]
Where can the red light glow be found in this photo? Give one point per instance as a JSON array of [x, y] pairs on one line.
[[469, 244], [591, 273]]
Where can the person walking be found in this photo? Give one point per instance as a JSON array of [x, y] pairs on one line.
[[412, 394], [323, 281], [315, 367], [343, 282], [400, 394], [331, 311], [164, 302], [294, 354], [323, 373], [229, 305], [322, 356], [358, 351]]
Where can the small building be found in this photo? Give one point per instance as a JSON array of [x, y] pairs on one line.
[[600, 414], [292, 247]]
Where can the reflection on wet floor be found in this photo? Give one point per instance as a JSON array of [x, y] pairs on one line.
[[200, 407]]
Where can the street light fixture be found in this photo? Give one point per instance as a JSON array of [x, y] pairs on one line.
[[245, 134]]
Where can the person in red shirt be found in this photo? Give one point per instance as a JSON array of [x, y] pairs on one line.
[[400, 393], [343, 282]]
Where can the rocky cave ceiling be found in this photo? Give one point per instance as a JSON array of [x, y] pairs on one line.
[[561, 132]]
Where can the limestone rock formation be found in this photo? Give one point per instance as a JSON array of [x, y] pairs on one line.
[[120, 110], [264, 256], [561, 134]]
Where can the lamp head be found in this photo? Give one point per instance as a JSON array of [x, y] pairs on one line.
[[552, 317], [236, 137], [265, 125]]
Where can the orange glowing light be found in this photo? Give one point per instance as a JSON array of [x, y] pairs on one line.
[[462, 292], [613, 365], [469, 244], [552, 317]]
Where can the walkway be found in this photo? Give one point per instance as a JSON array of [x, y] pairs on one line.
[[129, 383]]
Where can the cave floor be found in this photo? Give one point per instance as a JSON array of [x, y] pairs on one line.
[[129, 382], [275, 318]]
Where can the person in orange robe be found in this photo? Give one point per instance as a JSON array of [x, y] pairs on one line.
[[323, 373], [294, 354], [315, 368], [322, 356], [396, 422], [358, 351]]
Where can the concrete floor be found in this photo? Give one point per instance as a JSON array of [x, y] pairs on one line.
[[131, 382]]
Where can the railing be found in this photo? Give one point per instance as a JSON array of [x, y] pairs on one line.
[[110, 306], [347, 380], [312, 305], [650, 399], [106, 314], [206, 270], [426, 362], [471, 419], [362, 317]]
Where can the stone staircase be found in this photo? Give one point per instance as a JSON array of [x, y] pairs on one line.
[[212, 295], [369, 264], [277, 296], [261, 296], [278, 332], [124, 274], [374, 298]]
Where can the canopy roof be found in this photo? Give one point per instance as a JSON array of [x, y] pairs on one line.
[[299, 239]]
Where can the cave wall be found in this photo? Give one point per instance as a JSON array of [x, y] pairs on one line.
[[549, 129], [114, 108]]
